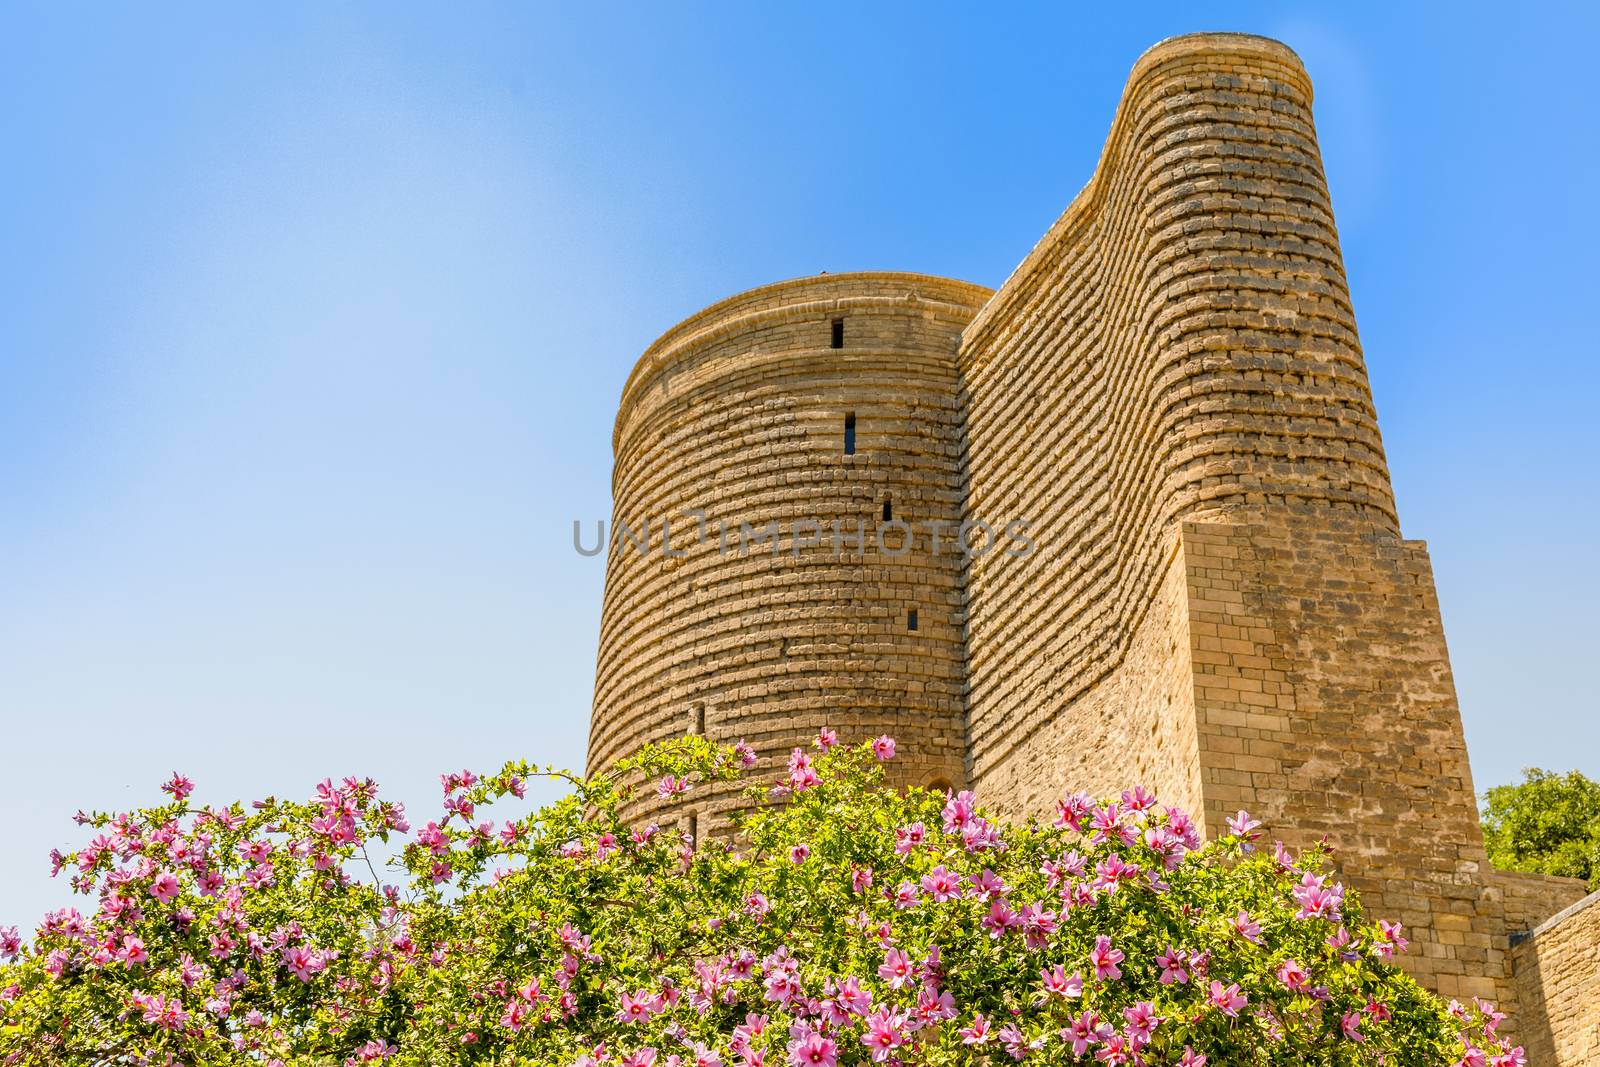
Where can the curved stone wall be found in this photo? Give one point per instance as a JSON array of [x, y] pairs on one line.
[[1170, 393], [1180, 343], [739, 413]]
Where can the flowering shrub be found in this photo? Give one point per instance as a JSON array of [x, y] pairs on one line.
[[843, 923]]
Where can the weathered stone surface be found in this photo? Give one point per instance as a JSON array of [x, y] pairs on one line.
[[1558, 986], [1171, 394]]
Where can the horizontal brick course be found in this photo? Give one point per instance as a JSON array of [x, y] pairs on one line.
[[1170, 390]]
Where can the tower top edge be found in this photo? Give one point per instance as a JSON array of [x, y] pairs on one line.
[[1170, 57], [819, 291], [1214, 41]]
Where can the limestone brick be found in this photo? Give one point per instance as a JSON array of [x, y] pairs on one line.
[[740, 414], [1558, 984], [1170, 393]]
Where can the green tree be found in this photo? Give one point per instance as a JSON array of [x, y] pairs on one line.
[[1547, 824]]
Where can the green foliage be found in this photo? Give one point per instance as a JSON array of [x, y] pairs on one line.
[[1546, 824], [842, 923]]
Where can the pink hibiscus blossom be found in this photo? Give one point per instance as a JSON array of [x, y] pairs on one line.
[[1104, 958], [1229, 999]]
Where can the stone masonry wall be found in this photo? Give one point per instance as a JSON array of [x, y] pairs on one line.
[[1558, 983], [1531, 899], [1169, 391], [1327, 709], [1180, 342], [740, 413]]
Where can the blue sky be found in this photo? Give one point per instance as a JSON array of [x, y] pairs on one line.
[[314, 319]]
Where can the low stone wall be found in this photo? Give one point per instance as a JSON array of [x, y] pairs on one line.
[[1530, 899], [1557, 973]]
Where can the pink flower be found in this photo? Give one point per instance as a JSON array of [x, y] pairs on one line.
[[977, 1033], [1172, 963], [303, 963], [1072, 811], [933, 1007], [1192, 1058], [516, 1012], [814, 1050], [132, 952], [1084, 1031], [883, 1034], [1350, 1026], [827, 738], [1038, 923], [1000, 918], [1318, 900], [670, 787], [1104, 958], [987, 885], [179, 786], [958, 811], [802, 775], [639, 1006], [165, 887], [1112, 871], [744, 753], [883, 747], [1246, 928], [1057, 983], [1138, 798], [1389, 940], [799, 853], [1142, 1021], [897, 969], [908, 838], [941, 885], [1107, 823], [159, 1011], [1293, 976], [1243, 826], [10, 943], [1230, 1000], [1493, 1018], [853, 998], [1015, 1041], [642, 1058]]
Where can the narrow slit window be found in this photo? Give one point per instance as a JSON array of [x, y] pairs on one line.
[[850, 434], [838, 333], [911, 619], [697, 720], [888, 511]]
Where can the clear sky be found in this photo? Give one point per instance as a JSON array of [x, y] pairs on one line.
[[313, 320]]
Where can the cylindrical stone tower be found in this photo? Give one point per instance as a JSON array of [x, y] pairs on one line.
[[826, 407]]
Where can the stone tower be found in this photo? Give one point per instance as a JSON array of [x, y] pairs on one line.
[[822, 405], [1170, 393]]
